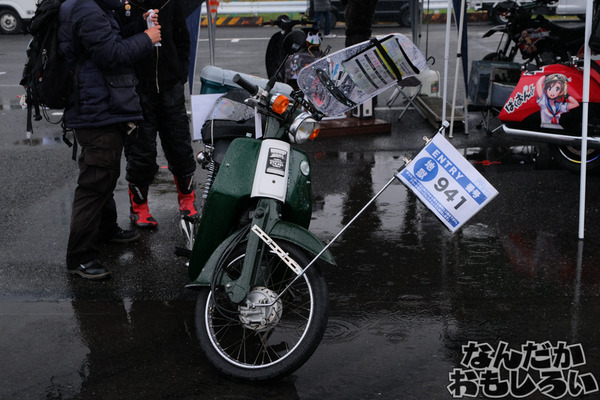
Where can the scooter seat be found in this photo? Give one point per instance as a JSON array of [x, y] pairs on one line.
[[216, 130], [568, 30]]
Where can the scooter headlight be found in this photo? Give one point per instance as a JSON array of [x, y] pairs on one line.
[[303, 128]]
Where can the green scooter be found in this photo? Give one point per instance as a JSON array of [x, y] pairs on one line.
[[262, 304]]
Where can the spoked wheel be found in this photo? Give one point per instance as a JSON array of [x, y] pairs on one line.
[[255, 342], [569, 157], [498, 17]]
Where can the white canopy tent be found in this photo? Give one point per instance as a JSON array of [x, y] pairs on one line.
[[585, 101]]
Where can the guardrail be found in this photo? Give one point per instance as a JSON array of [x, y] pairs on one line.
[[246, 7], [288, 7]]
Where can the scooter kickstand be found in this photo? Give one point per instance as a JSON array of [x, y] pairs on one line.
[[187, 228]]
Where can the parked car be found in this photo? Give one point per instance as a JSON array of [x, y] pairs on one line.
[[15, 15], [391, 11]]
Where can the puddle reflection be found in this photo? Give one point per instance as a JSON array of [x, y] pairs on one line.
[[41, 141], [496, 279]]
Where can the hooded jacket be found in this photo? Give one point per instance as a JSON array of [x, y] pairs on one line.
[[92, 42], [168, 63]]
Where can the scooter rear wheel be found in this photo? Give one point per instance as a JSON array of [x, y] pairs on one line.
[[569, 157], [264, 343]]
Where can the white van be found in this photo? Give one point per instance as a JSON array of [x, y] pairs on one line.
[[15, 15], [571, 7]]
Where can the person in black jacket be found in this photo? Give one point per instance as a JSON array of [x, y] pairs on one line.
[[162, 77], [102, 109]]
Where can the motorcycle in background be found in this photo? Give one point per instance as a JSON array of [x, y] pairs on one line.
[[275, 54], [539, 40], [545, 106]]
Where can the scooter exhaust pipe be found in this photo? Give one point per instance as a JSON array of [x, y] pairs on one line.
[[565, 140]]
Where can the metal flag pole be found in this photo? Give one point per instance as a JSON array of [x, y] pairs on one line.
[[406, 162], [458, 58], [446, 58], [292, 264], [211, 8], [584, 121]]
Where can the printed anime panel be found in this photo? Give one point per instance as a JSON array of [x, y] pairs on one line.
[[553, 98]]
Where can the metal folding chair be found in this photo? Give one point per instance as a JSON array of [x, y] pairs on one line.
[[409, 88], [502, 82]]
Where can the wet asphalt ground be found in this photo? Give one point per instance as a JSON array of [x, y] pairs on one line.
[[407, 296]]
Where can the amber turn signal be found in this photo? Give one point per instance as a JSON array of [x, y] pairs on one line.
[[279, 104]]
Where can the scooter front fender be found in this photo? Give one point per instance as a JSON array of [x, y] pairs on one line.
[[282, 231], [301, 237]]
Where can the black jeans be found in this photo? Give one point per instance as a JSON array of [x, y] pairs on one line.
[[166, 114], [94, 214]]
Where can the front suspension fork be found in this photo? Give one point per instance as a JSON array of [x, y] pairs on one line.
[[265, 216]]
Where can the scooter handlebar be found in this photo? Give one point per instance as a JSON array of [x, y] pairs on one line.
[[244, 84], [286, 23]]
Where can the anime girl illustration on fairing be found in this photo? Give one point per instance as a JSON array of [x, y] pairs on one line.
[[553, 99]]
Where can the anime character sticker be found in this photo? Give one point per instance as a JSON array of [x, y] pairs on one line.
[[553, 99]]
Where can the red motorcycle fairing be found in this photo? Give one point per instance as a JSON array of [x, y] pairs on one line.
[[549, 99]]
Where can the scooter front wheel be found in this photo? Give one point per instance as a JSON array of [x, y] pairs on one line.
[[256, 343]]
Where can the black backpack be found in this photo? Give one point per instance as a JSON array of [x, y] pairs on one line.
[[47, 80]]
